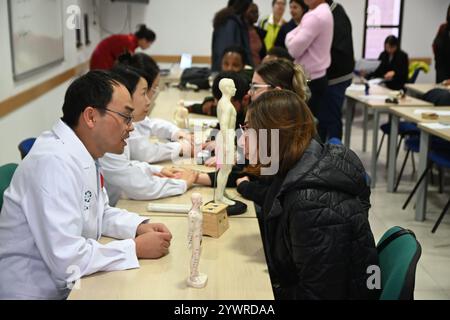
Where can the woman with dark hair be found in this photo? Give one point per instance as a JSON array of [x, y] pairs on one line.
[[394, 67], [109, 49], [317, 236], [297, 8], [273, 22], [230, 29], [441, 48], [256, 35], [130, 174]]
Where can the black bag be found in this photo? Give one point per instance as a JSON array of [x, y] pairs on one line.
[[196, 76]]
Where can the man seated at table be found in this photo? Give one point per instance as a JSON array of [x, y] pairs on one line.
[[56, 208]]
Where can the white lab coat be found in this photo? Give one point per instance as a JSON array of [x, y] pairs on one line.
[[53, 214], [126, 177], [141, 149]]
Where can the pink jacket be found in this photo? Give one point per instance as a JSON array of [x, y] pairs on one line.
[[310, 43]]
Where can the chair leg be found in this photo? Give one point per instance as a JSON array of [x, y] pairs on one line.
[[416, 187], [413, 162], [381, 144], [441, 180], [401, 171], [400, 143], [438, 222]]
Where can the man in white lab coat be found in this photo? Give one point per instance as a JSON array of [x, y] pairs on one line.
[[56, 208]]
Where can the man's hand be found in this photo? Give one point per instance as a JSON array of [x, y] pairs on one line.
[[187, 148], [446, 82], [184, 134], [239, 181], [151, 227], [389, 75], [172, 173], [210, 145], [152, 245], [189, 176]]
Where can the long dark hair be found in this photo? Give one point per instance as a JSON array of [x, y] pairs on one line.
[[238, 8], [282, 110]]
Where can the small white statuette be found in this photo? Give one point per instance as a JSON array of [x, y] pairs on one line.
[[195, 233]]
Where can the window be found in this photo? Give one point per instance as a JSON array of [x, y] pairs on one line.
[[383, 18]]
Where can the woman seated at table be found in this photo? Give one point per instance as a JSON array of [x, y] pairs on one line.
[[134, 179], [317, 239], [394, 67], [142, 149]]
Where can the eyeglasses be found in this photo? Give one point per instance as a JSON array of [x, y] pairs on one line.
[[128, 117], [256, 86]]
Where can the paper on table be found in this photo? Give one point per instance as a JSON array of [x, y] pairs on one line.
[[438, 112], [367, 65], [375, 81], [436, 125], [375, 97], [211, 123], [356, 87]]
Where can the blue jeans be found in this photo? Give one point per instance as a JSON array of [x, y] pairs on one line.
[[330, 116]]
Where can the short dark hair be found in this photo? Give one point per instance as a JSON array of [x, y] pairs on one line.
[[94, 89], [240, 82], [302, 4], [145, 33], [130, 76], [280, 52], [142, 62], [392, 41], [274, 1], [235, 49]]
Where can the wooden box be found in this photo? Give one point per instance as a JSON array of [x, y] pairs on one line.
[[215, 219]]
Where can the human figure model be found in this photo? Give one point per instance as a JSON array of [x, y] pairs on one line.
[[225, 149], [181, 116], [195, 233]]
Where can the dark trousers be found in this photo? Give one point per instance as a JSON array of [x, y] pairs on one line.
[[330, 117], [317, 101]]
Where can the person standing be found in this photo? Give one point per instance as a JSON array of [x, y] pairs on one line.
[[111, 48], [272, 24], [441, 49], [339, 74], [256, 35], [297, 8], [230, 29], [310, 45]]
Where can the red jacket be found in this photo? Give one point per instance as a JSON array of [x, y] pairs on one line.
[[109, 49]]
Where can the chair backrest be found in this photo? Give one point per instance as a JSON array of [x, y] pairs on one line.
[[438, 97], [398, 253], [25, 146], [6, 174]]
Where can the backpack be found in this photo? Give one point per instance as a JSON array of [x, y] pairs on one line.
[[196, 76]]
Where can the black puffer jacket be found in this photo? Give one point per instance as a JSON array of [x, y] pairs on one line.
[[318, 239]]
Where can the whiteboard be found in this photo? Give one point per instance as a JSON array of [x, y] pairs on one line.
[[36, 34]]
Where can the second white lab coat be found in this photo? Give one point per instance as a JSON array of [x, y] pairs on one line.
[[142, 149], [126, 177], [53, 215]]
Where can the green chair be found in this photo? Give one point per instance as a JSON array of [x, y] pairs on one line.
[[6, 174], [398, 253]]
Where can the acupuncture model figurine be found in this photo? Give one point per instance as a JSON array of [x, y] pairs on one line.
[[195, 234], [225, 148], [181, 116]]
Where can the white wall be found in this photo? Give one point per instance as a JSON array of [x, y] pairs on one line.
[[186, 26], [39, 115]]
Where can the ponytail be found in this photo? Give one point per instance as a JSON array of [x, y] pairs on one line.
[[145, 33], [300, 83]]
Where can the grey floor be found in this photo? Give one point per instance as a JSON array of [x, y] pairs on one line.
[[433, 272]]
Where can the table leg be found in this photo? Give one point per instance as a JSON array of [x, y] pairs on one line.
[[349, 113], [421, 198], [392, 156], [376, 123], [365, 127]]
